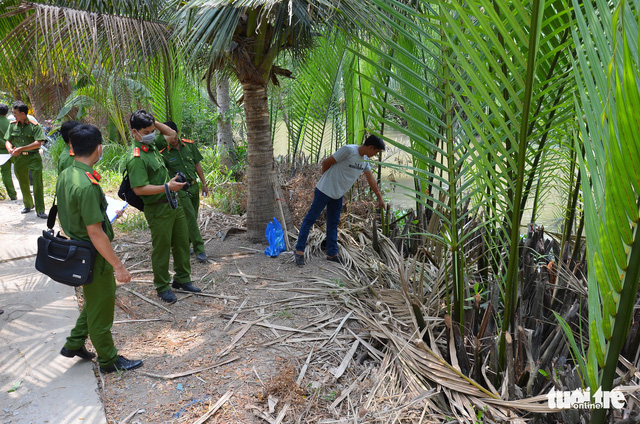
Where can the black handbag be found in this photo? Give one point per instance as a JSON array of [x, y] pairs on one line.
[[64, 260], [126, 193]]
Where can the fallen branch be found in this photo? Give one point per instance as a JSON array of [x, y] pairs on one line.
[[219, 296], [240, 334], [126, 321], [139, 271], [345, 393], [304, 367], [214, 408], [131, 415], [190, 372], [146, 299], [276, 327], [345, 361], [18, 258], [282, 413], [253, 277], [234, 316]]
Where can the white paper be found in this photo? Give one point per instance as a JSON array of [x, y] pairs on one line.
[[113, 206], [4, 158]]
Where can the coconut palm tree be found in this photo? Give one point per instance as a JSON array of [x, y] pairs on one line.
[[244, 37]]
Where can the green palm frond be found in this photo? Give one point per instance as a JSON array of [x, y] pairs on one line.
[[64, 39], [609, 95], [503, 75], [312, 99]]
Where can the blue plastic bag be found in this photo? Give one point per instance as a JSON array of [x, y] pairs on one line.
[[275, 237]]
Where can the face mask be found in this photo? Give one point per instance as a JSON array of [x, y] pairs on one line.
[[100, 158], [147, 139]]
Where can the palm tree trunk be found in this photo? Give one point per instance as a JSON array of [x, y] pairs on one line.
[[261, 202], [225, 142]]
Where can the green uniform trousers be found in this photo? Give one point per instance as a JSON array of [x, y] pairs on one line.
[[169, 234], [191, 206], [7, 180], [23, 164], [96, 317]]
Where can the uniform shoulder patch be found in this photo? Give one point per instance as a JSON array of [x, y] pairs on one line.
[[33, 121], [163, 150], [187, 141], [136, 152], [71, 152], [91, 178]]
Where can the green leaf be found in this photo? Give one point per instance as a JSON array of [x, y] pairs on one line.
[[15, 386]]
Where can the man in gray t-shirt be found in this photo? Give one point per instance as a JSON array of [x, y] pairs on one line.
[[339, 172]]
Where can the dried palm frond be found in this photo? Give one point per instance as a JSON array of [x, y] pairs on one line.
[[419, 379]]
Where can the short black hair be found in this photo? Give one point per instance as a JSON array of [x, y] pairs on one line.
[[21, 106], [141, 119], [4, 109], [172, 125], [375, 141], [85, 139], [66, 128]]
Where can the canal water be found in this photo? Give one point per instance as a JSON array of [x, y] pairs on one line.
[[397, 186]]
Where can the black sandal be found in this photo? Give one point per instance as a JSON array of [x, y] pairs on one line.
[[299, 258]]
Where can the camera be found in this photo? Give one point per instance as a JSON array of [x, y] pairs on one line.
[[183, 179]]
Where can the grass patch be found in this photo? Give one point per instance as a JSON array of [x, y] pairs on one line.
[[226, 194], [132, 221]]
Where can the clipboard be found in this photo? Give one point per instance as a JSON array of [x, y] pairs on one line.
[[114, 206]]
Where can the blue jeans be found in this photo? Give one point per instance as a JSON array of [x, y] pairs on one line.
[[334, 207]]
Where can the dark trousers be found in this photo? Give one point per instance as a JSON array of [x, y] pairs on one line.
[[334, 207]]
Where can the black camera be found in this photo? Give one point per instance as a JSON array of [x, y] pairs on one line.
[[183, 179]]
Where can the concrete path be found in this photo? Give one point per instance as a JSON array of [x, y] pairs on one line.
[[38, 315]]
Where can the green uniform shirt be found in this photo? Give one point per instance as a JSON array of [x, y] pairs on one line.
[[67, 158], [183, 159], [145, 166], [22, 135], [81, 202], [4, 125]]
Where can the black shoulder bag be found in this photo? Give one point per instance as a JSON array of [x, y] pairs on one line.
[[64, 260], [126, 193]]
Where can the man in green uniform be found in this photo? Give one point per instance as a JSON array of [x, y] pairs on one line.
[[182, 155], [6, 167], [150, 180], [67, 156], [83, 216], [23, 139]]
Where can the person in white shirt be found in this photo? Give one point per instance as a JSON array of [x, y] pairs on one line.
[[339, 172]]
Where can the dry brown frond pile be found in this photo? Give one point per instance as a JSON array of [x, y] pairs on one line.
[[283, 386]]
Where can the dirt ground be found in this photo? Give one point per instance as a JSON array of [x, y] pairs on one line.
[[265, 333]]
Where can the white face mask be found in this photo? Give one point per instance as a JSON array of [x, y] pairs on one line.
[[147, 139], [100, 158]]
